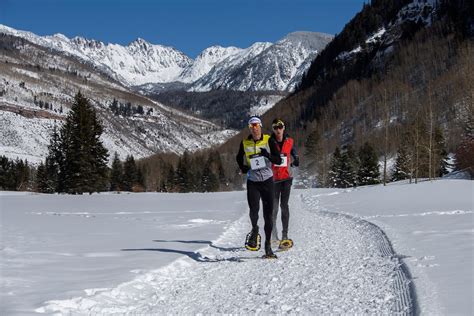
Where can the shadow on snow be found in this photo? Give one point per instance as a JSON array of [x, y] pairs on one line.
[[196, 256]]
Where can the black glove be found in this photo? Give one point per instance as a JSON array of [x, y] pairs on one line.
[[245, 169], [264, 153], [296, 162]]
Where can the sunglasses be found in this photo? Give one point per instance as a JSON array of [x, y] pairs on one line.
[[275, 127], [254, 125]]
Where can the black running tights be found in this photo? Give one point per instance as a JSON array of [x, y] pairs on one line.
[[263, 190]]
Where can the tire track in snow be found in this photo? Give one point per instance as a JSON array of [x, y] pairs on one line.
[[338, 265]]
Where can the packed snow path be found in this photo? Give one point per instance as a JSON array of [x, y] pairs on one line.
[[339, 264]]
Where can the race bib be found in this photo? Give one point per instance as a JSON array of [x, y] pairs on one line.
[[257, 162], [284, 161]]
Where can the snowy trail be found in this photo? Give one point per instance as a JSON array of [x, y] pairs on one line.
[[339, 265]]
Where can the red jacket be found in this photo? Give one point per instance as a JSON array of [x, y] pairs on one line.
[[283, 172]]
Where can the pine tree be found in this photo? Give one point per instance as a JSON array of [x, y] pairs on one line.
[[6, 174], [54, 165], [349, 166], [129, 173], [84, 168], [368, 172], [335, 179], [21, 175], [116, 174], [42, 179], [401, 170], [441, 159], [183, 175]]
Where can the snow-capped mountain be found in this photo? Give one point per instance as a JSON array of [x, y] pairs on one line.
[[137, 63], [274, 67], [207, 59], [262, 66], [41, 74]]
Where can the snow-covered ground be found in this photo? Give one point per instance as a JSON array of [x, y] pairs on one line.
[[370, 250]]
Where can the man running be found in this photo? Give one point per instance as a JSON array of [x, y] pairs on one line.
[[256, 154], [283, 178]]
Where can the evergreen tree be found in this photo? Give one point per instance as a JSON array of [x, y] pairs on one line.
[[368, 172], [401, 170], [349, 165], [183, 175], [54, 165], [440, 154], [114, 107], [343, 170], [129, 173], [21, 175], [85, 158], [116, 174], [42, 179], [168, 184], [6, 174], [335, 174]]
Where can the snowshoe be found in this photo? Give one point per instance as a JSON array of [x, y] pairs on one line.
[[253, 240], [285, 244], [268, 252]]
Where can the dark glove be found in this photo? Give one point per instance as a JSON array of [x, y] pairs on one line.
[[296, 162], [245, 169], [264, 153]]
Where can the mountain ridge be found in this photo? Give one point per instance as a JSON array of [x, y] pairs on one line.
[[141, 62]]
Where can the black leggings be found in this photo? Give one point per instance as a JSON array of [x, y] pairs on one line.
[[282, 195], [263, 190]]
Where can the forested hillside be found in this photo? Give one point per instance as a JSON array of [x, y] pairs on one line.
[[396, 75]]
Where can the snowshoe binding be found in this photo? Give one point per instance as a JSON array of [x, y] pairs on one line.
[[268, 251], [253, 240], [285, 244]]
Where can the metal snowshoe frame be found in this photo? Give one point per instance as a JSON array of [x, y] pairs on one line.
[[285, 244], [259, 242]]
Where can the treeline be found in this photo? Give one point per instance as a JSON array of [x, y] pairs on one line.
[[203, 172], [191, 172], [349, 167], [128, 109], [46, 105], [16, 175]]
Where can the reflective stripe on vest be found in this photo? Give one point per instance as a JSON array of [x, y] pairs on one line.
[[283, 173]]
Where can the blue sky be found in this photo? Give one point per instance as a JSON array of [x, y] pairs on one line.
[[188, 25]]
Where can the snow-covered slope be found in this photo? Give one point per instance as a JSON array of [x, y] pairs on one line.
[[36, 92], [352, 248], [262, 66]]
